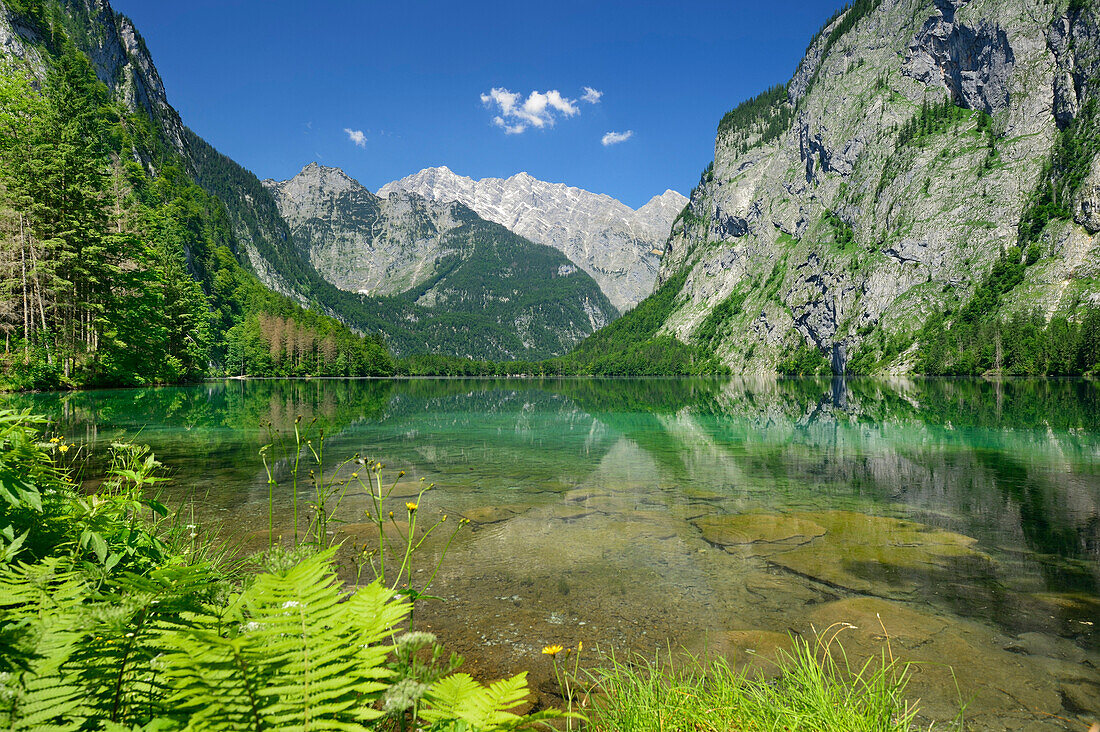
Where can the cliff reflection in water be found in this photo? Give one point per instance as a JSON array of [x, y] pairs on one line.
[[1015, 465]]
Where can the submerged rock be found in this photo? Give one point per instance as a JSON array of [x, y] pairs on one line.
[[1000, 689], [846, 550], [755, 653], [759, 528], [878, 555]]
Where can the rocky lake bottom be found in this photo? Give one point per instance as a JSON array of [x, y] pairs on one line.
[[953, 525]]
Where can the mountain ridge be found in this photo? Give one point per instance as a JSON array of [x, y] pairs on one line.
[[614, 243], [412, 258]]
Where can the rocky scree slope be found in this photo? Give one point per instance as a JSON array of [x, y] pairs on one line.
[[618, 246], [882, 183], [439, 278]]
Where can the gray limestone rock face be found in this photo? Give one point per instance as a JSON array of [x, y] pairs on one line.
[[358, 241], [1074, 40], [835, 229], [972, 62], [1088, 205], [618, 246], [118, 55], [439, 259]]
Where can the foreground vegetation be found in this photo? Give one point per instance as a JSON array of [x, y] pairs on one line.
[[117, 615], [816, 690]]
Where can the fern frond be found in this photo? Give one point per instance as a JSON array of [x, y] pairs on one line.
[[459, 697], [305, 656], [129, 629]]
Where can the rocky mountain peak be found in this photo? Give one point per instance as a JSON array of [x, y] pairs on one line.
[[323, 179], [615, 244]]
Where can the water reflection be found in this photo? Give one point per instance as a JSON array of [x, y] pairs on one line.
[[691, 508]]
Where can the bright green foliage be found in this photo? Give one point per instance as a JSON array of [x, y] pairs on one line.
[[805, 360], [166, 642], [937, 118], [932, 119], [634, 346], [112, 277], [458, 702], [843, 234], [298, 654], [715, 325], [759, 120], [979, 338], [43, 514], [877, 351], [816, 690], [1065, 172]]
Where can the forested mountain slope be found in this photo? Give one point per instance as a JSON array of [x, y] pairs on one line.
[[170, 224], [923, 195], [435, 277], [115, 268]]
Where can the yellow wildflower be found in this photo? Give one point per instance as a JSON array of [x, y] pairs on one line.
[[552, 650], [411, 506], [63, 448]]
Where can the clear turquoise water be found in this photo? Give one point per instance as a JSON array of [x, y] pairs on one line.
[[591, 501]]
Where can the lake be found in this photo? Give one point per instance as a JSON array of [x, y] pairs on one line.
[[954, 524]]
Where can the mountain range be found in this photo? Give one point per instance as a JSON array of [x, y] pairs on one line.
[[923, 195], [441, 278], [619, 246]]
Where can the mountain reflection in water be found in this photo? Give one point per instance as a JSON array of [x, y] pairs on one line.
[[709, 514]]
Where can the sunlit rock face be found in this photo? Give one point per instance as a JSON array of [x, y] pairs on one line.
[[439, 259], [359, 241], [618, 246], [839, 232]]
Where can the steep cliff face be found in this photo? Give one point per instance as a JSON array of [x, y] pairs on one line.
[[618, 246], [115, 48], [885, 180], [122, 62], [439, 278], [358, 241]]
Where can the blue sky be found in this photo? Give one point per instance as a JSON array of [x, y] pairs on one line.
[[385, 89]]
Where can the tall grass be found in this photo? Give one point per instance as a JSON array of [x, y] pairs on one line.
[[816, 689]]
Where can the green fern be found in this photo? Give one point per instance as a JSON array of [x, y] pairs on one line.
[[129, 629], [304, 656], [460, 703], [39, 607]]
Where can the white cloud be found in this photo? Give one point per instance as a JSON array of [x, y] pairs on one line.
[[591, 95], [356, 136], [614, 138], [540, 109]]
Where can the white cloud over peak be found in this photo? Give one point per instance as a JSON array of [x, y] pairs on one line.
[[516, 114], [591, 95], [614, 138], [356, 136]]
